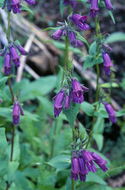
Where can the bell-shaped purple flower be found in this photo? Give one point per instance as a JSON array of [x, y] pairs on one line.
[[7, 64], [14, 55], [100, 161], [21, 50], [77, 91], [15, 6], [58, 103], [80, 21], [107, 63], [94, 8], [111, 112], [72, 38], [31, 2], [108, 4], [74, 168], [57, 34], [17, 111], [67, 102]]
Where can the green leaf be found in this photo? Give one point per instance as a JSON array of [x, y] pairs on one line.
[[26, 8], [92, 49], [60, 162], [112, 16], [71, 113], [116, 37], [3, 81], [87, 108], [92, 177], [99, 140], [82, 39]]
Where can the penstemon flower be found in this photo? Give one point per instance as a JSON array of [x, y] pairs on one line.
[[15, 5], [11, 55], [107, 63], [17, 111], [83, 162], [94, 8], [108, 4], [111, 112], [80, 21], [7, 64], [63, 99], [77, 91]]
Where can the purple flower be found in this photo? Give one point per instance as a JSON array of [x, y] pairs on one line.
[[108, 4], [21, 50], [77, 91], [94, 8], [100, 161], [14, 55], [111, 112], [17, 111], [74, 42], [107, 63], [57, 34], [31, 2], [73, 3], [58, 103], [7, 64], [83, 162], [67, 102], [80, 21], [15, 6]]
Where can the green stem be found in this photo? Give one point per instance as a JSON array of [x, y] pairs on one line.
[[9, 27], [12, 143], [97, 82], [73, 184], [98, 36]]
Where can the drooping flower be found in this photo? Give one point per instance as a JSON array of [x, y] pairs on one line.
[[80, 21], [67, 101], [14, 55], [57, 34], [73, 3], [15, 5], [77, 91], [7, 64], [21, 49], [94, 8], [111, 112], [108, 4], [11, 55], [83, 162], [58, 102], [17, 111], [107, 63], [73, 40]]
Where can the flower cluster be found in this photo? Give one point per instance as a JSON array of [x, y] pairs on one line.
[[80, 23], [11, 55], [15, 5], [111, 112], [64, 97], [83, 162], [95, 6], [17, 111]]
